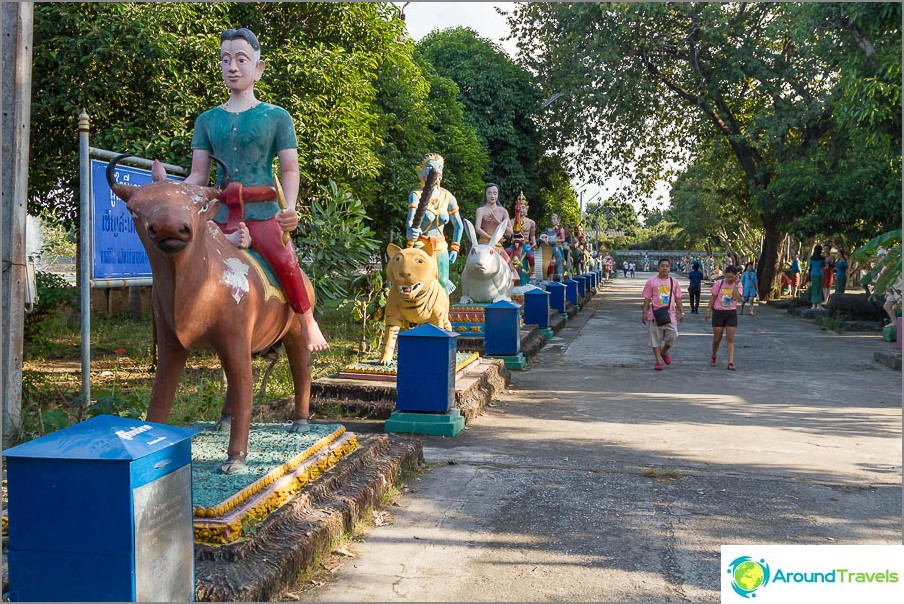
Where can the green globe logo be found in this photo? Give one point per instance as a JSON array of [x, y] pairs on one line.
[[748, 575]]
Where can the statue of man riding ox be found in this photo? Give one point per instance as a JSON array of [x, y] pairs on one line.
[[210, 294]]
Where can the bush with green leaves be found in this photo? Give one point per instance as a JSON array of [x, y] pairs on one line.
[[335, 242], [53, 293], [887, 269]]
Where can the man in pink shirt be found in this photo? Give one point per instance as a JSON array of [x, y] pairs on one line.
[[723, 305], [662, 292]]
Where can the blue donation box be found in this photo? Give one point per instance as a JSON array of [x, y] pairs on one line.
[[556, 296], [536, 307], [502, 329], [102, 511], [571, 291], [582, 285], [425, 381]]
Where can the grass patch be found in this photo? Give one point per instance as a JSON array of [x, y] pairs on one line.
[[122, 376], [835, 324], [665, 475]]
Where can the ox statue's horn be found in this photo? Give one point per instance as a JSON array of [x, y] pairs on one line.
[[223, 168], [122, 191]]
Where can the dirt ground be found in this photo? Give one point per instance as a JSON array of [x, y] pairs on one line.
[[596, 478]]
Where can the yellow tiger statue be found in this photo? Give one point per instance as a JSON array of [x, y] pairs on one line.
[[415, 294]]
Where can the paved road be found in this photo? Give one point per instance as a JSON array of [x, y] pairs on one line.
[[596, 478]]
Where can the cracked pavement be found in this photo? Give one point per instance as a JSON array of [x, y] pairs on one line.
[[597, 479]]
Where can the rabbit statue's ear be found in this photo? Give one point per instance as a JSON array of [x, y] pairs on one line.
[[499, 233], [472, 234]]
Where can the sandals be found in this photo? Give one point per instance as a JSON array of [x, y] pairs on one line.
[[731, 367], [712, 361]]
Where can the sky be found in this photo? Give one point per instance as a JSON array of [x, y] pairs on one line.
[[423, 17]]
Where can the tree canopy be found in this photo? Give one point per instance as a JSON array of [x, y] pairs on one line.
[[784, 86], [346, 72]]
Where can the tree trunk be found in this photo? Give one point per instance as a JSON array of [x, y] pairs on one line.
[[767, 267]]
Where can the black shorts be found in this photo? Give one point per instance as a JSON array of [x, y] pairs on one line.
[[725, 318]]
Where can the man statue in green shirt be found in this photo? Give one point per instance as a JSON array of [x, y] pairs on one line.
[[246, 134]]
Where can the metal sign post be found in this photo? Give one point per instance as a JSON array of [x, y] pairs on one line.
[[110, 252]]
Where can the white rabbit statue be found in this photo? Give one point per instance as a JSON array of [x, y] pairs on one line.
[[486, 277]]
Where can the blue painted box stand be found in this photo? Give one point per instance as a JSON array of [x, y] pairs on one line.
[[582, 286], [425, 384], [536, 310], [102, 511], [502, 339], [557, 297], [571, 292]]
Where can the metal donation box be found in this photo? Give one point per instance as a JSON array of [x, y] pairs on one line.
[[556, 296], [536, 307], [102, 511], [582, 285], [502, 331], [425, 380], [571, 291]]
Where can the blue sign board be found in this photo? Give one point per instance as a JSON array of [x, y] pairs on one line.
[[117, 251]]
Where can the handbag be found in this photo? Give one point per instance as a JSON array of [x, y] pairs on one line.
[[661, 314]]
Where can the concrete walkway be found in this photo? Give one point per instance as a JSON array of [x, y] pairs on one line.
[[596, 478]]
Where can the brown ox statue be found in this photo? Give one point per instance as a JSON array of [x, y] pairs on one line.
[[209, 294]]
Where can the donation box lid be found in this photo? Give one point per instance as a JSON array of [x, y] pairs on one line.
[[104, 437], [428, 331]]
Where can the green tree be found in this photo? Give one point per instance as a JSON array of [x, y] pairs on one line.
[[145, 71], [500, 100], [611, 215], [456, 140], [646, 83]]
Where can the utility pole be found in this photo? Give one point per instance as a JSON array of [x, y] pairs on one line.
[[16, 107]]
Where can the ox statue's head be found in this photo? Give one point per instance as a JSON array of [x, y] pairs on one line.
[[167, 214]]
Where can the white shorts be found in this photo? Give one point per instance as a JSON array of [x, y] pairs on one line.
[[662, 335]]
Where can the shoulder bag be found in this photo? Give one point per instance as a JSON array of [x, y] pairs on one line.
[[662, 314]]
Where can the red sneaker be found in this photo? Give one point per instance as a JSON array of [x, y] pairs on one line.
[[658, 367], [667, 359], [731, 367], [712, 361]]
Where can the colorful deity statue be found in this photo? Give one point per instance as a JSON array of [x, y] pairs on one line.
[[524, 241], [441, 209], [246, 134], [555, 235], [490, 215]]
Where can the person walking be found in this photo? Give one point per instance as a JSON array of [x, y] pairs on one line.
[[661, 300], [723, 304], [749, 283], [631, 268], [828, 274], [841, 272], [814, 276], [795, 274], [693, 290]]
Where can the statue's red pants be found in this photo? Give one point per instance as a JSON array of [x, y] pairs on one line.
[[266, 240]]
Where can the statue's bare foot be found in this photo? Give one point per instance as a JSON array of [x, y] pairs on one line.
[[312, 334], [233, 466], [240, 238], [298, 426], [223, 424]]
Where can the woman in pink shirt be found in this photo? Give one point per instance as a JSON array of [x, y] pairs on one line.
[[723, 305]]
